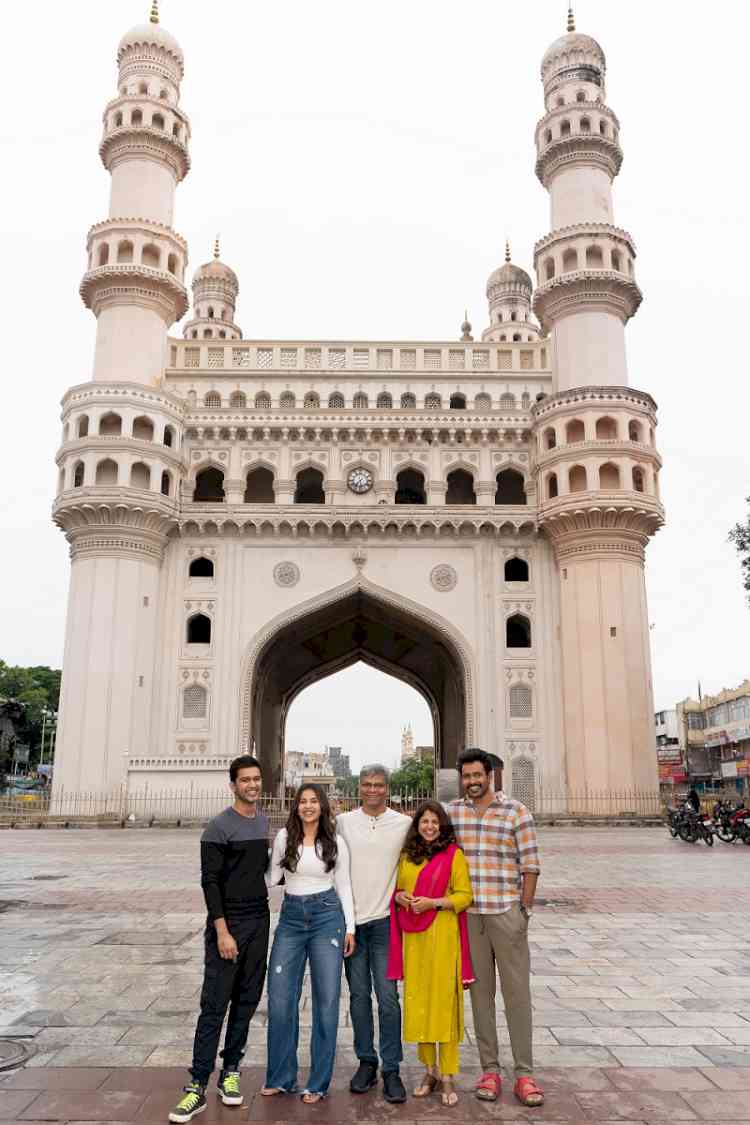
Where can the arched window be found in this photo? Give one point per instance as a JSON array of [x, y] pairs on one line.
[[603, 128], [507, 401], [110, 425], [287, 401], [408, 401], [518, 631], [577, 481], [581, 96], [163, 94], [176, 130], [212, 400], [104, 254], [570, 260], [166, 483], [550, 438], [549, 269], [201, 568], [585, 125], [83, 426], [262, 401], [523, 783], [118, 120], [510, 487], [360, 401], [432, 401], [168, 437], [124, 252], [210, 312], [194, 702], [519, 702], [575, 431], [143, 428], [410, 487], [208, 333], [384, 401], [525, 400], [552, 492], [565, 128], [172, 263], [616, 260], [638, 482], [78, 473], [483, 402], [259, 487], [107, 472], [312, 401], [514, 316], [594, 258], [336, 401], [143, 88], [140, 475], [516, 337], [136, 117], [609, 475], [560, 102], [634, 431], [548, 136], [309, 488], [516, 570], [237, 400], [460, 488], [157, 120], [606, 429], [209, 486], [457, 401], [199, 629]]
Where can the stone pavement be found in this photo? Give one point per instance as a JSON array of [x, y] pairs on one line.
[[641, 982]]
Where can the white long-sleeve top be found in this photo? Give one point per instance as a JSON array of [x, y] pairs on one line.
[[311, 876]]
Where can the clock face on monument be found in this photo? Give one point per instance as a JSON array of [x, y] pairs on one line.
[[360, 480]]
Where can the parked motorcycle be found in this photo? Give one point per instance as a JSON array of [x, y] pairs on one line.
[[732, 821], [689, 825]]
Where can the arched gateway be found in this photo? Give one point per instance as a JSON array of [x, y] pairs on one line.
[[355, 622]]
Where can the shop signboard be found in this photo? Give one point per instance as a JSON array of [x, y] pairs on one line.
[[728, 769], [667, 754]]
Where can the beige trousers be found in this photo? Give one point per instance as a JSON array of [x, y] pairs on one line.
[[501, 940]]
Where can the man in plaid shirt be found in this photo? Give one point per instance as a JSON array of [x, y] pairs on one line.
[[498, 838]]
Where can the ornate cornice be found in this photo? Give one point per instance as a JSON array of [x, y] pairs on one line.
[[121, 443], [573, 451], [134, 284], [107, 520], [586, 289], [578, 513], [143, 142], [85, 395], [578, 396], [588, 149], [576, 230]]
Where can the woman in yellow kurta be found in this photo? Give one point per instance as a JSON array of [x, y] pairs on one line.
[[433, 890]]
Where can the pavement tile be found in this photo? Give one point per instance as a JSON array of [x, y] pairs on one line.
[[716, 1103], [730, 1077], [676, 1079], [596, 1036], [727, 1056], [14, 1102], [659, 1056], [554, 1079], [71, 1105], [683, 1036], [78, 1078], [643, 1105], [101, 1056]]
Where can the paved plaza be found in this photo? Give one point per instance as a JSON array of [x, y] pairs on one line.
[[641, 981]]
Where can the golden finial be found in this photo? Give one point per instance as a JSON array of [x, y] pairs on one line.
[[216, 248], [571, 19], [154, 17], [507, 250]]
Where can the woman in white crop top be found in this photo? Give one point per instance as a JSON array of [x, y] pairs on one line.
[[316, 925]]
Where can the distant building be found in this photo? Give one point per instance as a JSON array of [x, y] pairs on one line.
[[714, 734], [407, 744], [669, 754], [425, 753], [301, 767], [340, 764]]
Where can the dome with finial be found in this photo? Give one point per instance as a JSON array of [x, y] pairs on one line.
[[508, 275], [152, 34], [466, 335], [574, 49], [216, 269]]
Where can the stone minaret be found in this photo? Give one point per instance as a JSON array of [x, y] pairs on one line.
[[215, 288], [119, 464], [509, 296], [596, 461], [136, 261]]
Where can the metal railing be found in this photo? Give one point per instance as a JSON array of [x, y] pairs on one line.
[[190, 805]]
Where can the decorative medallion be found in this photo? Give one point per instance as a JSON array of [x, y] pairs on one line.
[[286, 574], [443, 578], [360, 480], [359, 557]]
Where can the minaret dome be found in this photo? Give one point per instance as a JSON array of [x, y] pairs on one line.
[[509, 290], [215, 288]]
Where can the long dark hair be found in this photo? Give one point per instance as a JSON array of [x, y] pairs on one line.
[[325, 841], [415, 847]]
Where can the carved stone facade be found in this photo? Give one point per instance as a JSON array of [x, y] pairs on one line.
[[248, 516]]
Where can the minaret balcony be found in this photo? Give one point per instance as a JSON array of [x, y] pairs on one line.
[[144, 142], [114, 284], [622, 511], [586, 290], [587, 149]]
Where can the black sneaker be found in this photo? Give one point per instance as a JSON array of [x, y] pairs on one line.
[[192, 1102], [229, 1087], [393, 1088], [365, 1078]]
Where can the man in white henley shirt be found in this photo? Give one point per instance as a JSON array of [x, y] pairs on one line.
[[375, 835]]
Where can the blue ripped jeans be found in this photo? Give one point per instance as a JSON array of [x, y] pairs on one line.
[[311, 928]]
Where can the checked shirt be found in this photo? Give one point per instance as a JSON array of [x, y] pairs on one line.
[[499, 846]]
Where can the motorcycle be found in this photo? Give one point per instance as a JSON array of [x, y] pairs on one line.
[[733, 822], [695, 826]]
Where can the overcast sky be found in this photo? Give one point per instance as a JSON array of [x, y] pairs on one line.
[[363, 163]]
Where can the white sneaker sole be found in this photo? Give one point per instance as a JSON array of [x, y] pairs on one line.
[[231, 1099], [181, 1118]]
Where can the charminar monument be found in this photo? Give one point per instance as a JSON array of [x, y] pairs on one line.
[[247, 516]]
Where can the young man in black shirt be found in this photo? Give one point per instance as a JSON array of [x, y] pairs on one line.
[[234, 857]]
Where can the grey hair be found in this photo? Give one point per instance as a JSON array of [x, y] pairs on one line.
[[377, 769]]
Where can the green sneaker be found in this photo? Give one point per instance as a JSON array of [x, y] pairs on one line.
[[192, 1102], [229, 1087]]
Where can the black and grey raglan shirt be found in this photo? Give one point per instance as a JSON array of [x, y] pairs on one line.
[[234, 857]]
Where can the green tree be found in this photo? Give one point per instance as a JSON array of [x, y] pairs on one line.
[[740, 536], [414, 776], [37, 689]]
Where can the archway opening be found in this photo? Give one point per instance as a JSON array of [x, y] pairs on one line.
[[358, 627]]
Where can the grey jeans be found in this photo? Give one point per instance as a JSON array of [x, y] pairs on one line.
[[501, 940]]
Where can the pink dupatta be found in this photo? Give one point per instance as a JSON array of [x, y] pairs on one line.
[[432, 882]]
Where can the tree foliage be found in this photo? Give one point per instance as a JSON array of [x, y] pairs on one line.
[[740, 537], [414, 776], [36, 689]]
